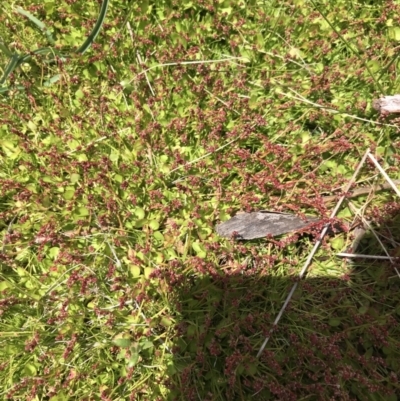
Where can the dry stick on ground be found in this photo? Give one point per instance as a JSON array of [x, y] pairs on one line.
[[383, 172], [315, 248], [364, 191]]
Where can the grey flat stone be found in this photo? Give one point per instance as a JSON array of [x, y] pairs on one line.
[[262, 223]]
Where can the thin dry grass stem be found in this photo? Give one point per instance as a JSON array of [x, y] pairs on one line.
[[369, 189], [128, 27], [330, 110], [223, 60], [115, 306], [313, 251], [224, 103], [360, 255], [139, 309], [359, 231], [60, 281], [204, 156], [99, 254], [382, 245], [383, 172], [116, 260], [89, 144], [304, 65], [334, 111], [139, 59], [123, 94], [366, 223], [284, 58], [375, 234]]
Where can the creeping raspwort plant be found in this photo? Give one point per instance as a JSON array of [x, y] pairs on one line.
[[118, 162]]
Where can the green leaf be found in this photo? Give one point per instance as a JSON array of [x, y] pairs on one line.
[[21, 272], [139, 212], [334, 322], [114, 156], [4, 285], [11, 66], [154, 225], [53, 252], [118, 178], [82, 212], [146, 345], [30, 369], [46, 178], [199, 249], [49, 6], [171, 369], [52, 80], [59, 397], [251, 369], [388, 350], [148, 271], [374, 65], [337, 243], [122, 342], [74, 178], [79, 94], [134, 359], [240, 369], [6, 50], [140, 223], [346, 212], [170, 254], [69, 193], [158, 236], [166, 321], [394, 33], [135, 270], [204, 233]]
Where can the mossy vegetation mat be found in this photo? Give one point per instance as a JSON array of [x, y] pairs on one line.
[[141, 127]]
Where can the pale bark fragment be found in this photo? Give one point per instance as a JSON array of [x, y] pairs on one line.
[[387, 104]]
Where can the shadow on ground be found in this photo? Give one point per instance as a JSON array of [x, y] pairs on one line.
[[339, 339]]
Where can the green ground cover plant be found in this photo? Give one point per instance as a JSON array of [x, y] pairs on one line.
[[117, 162]]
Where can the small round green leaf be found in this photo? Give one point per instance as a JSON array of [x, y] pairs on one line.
[[122, 342], [334, 322]]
